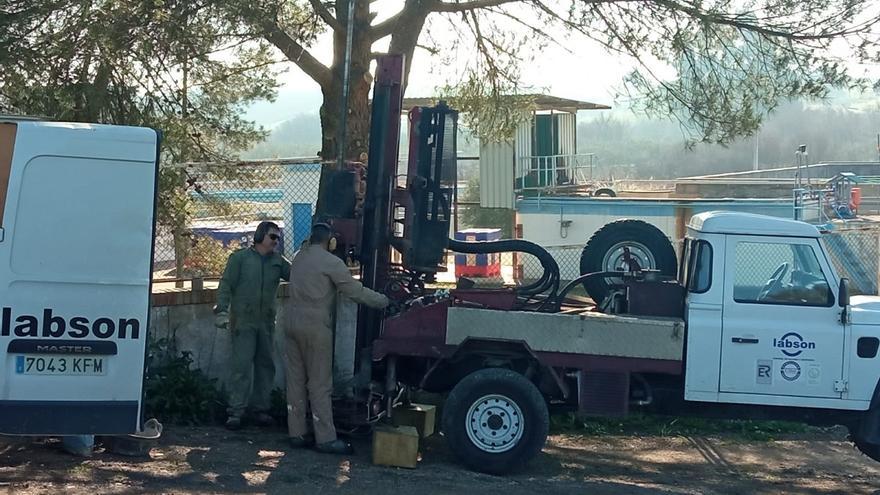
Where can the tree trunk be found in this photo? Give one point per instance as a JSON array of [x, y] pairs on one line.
[[358, 108], [403, 41], [180, 252]]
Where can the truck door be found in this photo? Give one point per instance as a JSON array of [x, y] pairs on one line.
[[77, 215], [781, 330]]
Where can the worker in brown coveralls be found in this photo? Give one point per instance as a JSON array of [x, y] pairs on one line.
[[318, 275]]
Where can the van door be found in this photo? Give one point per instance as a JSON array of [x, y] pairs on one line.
[[75, 265], [781, 333]]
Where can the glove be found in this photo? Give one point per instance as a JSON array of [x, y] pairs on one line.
[[221, 320]]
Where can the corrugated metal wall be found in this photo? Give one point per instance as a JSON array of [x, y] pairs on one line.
[[496, 175], [567, 133], [499, 165]]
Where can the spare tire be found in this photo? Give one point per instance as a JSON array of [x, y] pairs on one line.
[[604, 252], [605, 191]]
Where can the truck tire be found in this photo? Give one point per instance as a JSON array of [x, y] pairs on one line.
[[495, 420], [604, 252], [871, 450], [605, 191], [860, 437]]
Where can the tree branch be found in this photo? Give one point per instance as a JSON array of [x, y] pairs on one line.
[[467, 6], [296, 53], [325, 15], [387, 27], [715, 18]]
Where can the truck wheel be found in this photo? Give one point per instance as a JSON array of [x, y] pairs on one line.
[[604, 252], [859, 436], [871, 450], [495, 420], [605, 192]]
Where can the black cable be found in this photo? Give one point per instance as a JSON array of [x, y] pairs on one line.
[[549, 279]]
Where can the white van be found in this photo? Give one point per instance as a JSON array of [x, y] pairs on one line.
[[75, 264]]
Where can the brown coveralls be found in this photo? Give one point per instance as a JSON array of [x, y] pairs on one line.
[[318, 275]]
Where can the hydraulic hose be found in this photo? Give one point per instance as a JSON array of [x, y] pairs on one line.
[[549, 279], [556, 302]]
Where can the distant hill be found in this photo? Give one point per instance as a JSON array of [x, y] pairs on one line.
[[627, 146]]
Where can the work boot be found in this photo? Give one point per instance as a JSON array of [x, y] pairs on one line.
[[302, 442], [233, 423], [263, 419], [335, 447]]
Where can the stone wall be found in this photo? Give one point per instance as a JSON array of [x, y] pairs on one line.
[[188, 318]]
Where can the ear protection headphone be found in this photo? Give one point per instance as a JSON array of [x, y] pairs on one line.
[[331, 245], [262, 230]]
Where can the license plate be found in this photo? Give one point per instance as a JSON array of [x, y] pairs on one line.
[[60, 365]]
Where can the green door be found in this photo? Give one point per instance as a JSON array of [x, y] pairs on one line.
[[545, 142]]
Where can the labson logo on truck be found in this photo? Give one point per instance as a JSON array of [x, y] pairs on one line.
[[77, 327], [792, 344]]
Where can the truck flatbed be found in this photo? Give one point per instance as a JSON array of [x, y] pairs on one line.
[[583, 333]]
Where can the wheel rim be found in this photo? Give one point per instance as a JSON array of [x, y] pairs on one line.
[[614, 259], [494, 423]]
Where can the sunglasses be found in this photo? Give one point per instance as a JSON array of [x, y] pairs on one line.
[[274, 237]]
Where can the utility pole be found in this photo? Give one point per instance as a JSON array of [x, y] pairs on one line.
[[755, 158], [800, 155]]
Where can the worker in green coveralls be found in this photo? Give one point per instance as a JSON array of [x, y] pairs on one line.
[[246, 303]]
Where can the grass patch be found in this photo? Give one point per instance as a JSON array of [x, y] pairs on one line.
[[664, 426], [81, 471]]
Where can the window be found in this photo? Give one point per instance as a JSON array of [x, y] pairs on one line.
[[778, 273], [700, 267]]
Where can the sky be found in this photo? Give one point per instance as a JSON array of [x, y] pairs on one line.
[[581, 70]]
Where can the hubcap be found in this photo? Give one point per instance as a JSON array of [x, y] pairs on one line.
[[614, 259], [494, 423]]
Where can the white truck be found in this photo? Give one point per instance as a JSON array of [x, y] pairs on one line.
[[77, 216], [758, 325]]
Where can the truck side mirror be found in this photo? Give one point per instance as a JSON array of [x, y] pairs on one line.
[[843, 293]]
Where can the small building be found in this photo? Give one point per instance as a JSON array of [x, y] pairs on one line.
[[541, 156]]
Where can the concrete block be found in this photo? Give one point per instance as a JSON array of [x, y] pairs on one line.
[[396, 446], [422, 416]]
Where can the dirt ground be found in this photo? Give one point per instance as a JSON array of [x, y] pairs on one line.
[[213, 460]]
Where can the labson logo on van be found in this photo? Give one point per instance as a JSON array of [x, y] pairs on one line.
[[792, 344], [77, 327]]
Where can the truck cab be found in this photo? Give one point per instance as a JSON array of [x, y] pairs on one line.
[[770, 322]]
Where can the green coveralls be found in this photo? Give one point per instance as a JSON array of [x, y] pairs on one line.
[[250, 287]]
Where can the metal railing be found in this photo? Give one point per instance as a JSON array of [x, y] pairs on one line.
[[555, 171]]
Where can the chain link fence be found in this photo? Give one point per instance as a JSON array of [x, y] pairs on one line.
[[855, 254], [215, 209]]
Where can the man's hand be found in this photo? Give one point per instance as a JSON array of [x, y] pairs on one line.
[[386, 302], [221, 320]]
